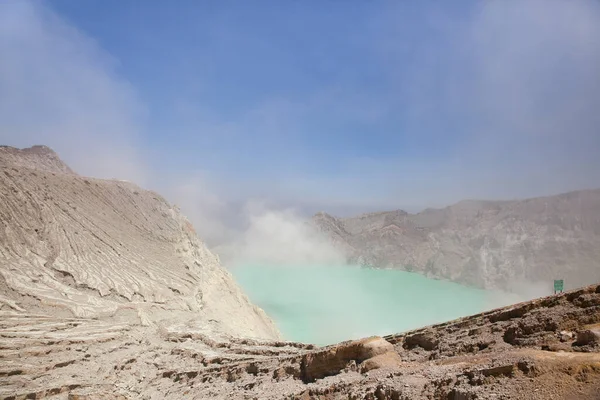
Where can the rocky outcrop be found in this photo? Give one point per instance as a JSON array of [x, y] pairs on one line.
[[72, 246], [490, 244], [365, 354]]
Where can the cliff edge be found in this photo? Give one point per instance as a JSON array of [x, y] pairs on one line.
[[72, 246]]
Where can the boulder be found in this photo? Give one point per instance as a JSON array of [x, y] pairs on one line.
[[566, 336], [588, 337], [332, 360], [424, 340], [387, 360]]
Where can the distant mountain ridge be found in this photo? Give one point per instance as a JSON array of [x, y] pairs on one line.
[[489, 244]]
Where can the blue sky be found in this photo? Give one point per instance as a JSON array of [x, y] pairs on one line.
[[294, 75], [342, 106]]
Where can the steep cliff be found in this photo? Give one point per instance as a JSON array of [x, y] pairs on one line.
[[84, 247]]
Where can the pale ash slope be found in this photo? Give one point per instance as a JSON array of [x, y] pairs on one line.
[[83, 247], [491, 244]]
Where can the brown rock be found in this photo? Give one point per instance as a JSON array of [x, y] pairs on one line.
[[424, 340], [388, 360], [503, 370], [588, 337], [556, 347], [333, 360], [373, 346]]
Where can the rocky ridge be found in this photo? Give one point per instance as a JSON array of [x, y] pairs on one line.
[[490, 244], [72, 246]]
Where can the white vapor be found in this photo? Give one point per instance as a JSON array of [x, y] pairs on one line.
[[280, 237]]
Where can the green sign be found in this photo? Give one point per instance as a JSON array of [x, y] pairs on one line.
[[558, 285]]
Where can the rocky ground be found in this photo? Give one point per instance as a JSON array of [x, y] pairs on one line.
[[543, 349]]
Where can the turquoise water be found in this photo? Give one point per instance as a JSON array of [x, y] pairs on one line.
[[327, 304]]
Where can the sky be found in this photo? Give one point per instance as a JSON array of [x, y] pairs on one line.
[[231, 107]]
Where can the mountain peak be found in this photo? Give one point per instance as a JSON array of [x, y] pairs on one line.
[[35, 157]]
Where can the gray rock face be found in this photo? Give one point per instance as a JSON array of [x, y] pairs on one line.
[[491, 244], [72, 246]]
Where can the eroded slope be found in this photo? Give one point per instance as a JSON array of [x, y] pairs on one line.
[[80, 247]]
